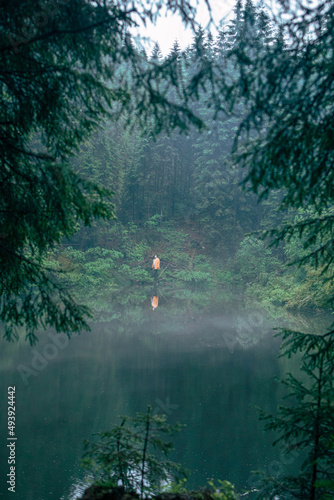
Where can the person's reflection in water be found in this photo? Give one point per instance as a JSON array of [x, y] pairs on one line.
[[154, 302], [154, 298]]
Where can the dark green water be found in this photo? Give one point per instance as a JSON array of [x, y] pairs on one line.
[[202, 358]]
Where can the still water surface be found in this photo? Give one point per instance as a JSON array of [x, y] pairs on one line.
[[202, 358]]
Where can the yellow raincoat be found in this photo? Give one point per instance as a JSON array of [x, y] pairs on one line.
[[156, 263]]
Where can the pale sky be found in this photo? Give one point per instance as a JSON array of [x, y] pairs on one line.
[[169, 28]]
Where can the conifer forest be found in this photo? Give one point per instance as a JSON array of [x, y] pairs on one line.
[[166, 251]]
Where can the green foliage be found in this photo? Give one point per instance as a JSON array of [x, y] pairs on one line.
[[63, 69], [177, 487], [292, 289], [296, 284], [93, 273], [98, 271], [194, 276], [220, 205], [224, 490], [97, 73], [307, 423], [89, 270], [279, 290], [285, 135], [134, 455], [153, 221], [254, 260], [135, 274]]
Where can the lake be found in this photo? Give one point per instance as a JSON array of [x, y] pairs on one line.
[[203, 358]]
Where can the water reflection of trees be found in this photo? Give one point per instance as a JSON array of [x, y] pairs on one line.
[[211, 317]]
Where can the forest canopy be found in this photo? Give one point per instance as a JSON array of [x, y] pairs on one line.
[[62, 71], [288, 88], [264, 85]]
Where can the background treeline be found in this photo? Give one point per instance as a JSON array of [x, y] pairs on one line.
[[180, 195]]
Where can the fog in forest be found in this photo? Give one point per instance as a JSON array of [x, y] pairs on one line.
[[166, 235]]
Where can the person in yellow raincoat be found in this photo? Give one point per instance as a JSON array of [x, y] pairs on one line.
[[155, 266]]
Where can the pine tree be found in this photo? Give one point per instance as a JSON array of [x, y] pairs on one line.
[[285, 136], [307, 424], [63, 68], [133, 455]]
